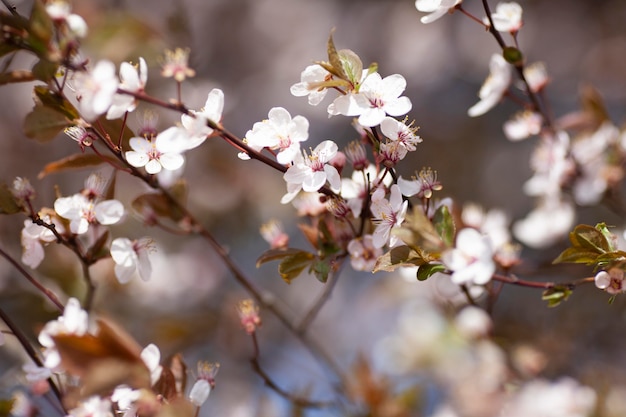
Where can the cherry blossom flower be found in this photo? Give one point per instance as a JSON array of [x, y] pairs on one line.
[[33, 238], [546, 224], [388, 215], [176, 65], [74, 321], [552, 164], [95, 89], [471, 260], [611, 281], [162, 152], [204, 384], [536, 76], [310, 83], [131, 258], [274, 234], [400, 132], [151, 357], [493, 223], [80, 135], [473, 322], [61, 11], [422, 185], [595, 172], [436, 8], [363, 253], [494, 87], [94, 406], [355, 189], [310, 172], [249, 315], [355, 152], [543, 398], [376, 98], [507, 17], [278, 132], [22, 191], [126, 400], [522, 125], [196, 127], [83, 211], [133, 79]]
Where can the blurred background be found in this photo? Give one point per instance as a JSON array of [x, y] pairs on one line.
[[254, 50]]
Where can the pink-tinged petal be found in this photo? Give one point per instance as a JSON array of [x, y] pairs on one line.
[[395, 198], [372, 117], [153, 167], [279, 116], [300, 129], [287, 155], [143, 72], [129, 77], [120, 105], [296, 174], [483, 106], [214, 106], [122, 251], [409, 188], [314, 182], [172, 161], [109, 211], [333, 177], [144, 267], [393, 85], [124, 273], [79, 225], [32, 252], [172, 139], [326, 150], [199, 392], [137, 159], [140, 144], [300, 89], [381, 235], [151, 356], [346, 105], [398, 107]]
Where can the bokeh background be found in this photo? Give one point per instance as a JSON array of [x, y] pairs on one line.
[[254, 50]]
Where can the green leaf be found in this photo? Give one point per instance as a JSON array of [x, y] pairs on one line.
[[444, 225], [292, 266], [45, 70], [336, 66], [610, 237], [427, 270], [321, 269], [577, 255], [556, 295], [400, 256], [55, 101], [352, 65], [44, 124], [275, 255], [588, 237], [76, 161], [41, 29], [418, 233], [8, 204]]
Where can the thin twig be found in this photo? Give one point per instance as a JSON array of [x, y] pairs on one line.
[[30, 351], [45, 291], [321, 301], [296, 400]]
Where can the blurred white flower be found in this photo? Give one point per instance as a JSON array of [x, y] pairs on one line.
[[494, 87], [436, 8], [471, 260]]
